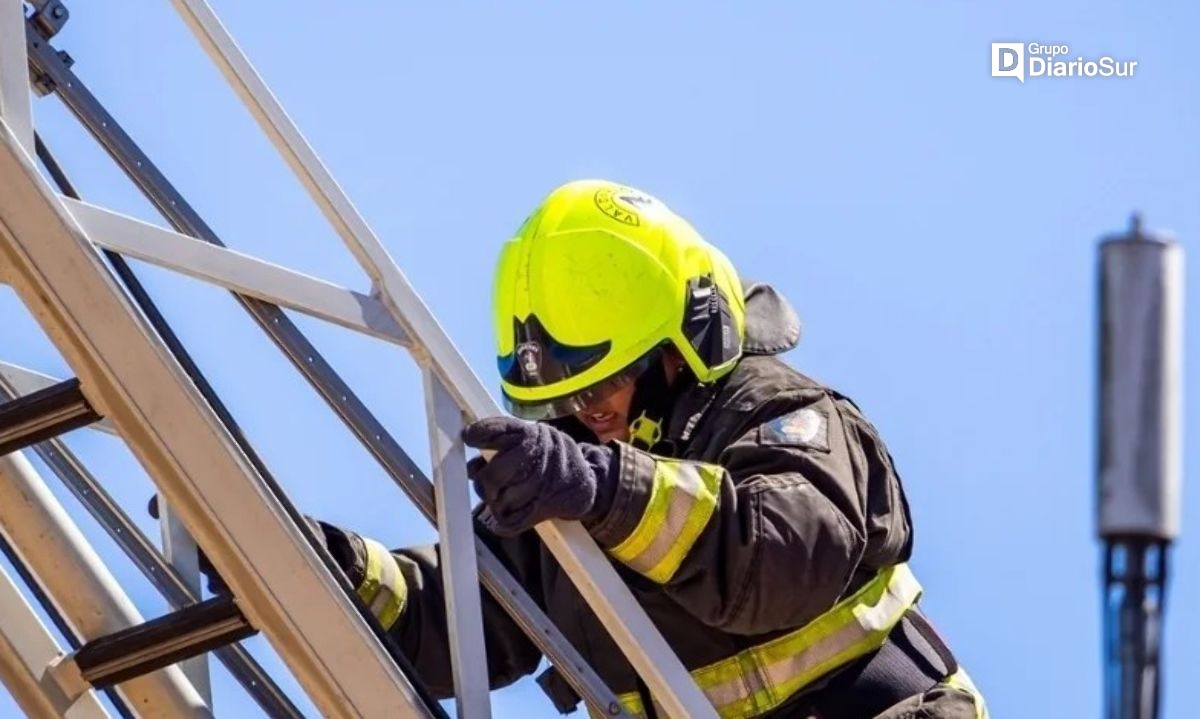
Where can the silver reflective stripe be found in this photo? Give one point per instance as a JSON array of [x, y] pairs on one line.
[[736, 689], [806, 658], [761, 678], [871, 619], [685, 488]]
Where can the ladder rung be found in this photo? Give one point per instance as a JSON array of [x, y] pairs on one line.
[[161, 642], [44, 414]]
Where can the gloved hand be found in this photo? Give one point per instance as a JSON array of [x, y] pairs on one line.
[[538, 473]]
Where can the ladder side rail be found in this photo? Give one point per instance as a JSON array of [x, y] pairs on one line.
[[456, 556], [495, 577], [181, 552], [49, 73], [78, 583], [248, 532], [134, 543], [574, 548], [324, 379], [360, 239], [35, 587], [16, 105], [26, 648]]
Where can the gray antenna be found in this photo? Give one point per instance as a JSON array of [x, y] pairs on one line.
[[1139, 464]]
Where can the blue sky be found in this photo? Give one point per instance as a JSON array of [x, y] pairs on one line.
[[936, 228]]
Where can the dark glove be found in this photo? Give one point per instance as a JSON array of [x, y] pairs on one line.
[[538, 473]]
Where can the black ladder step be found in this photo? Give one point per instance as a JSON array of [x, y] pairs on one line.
[[44, 414], [161, 642]]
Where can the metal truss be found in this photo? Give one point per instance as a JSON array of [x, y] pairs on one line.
[[138, 382]]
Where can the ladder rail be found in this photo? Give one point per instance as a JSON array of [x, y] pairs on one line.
[[328, 384], [78, 583], [457, 559], [26, 647], [16, 105], [261, 687], [493, 574], [250, 536], [267, 693], [574, 548], [137, 546], [181, 552], [34, 586]]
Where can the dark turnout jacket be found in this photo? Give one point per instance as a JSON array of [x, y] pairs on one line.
[[770, 502]]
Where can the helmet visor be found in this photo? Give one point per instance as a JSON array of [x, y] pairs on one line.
[[570, 404]]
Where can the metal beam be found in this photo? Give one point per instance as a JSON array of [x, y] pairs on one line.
[[26, 649], [79, 584], [336, 393], [15, 105], [180, 550], [460, 575], [92, 495], [47, 413], [570, 543], [235, 271], [21, 381], [261, 552], [386, 277]]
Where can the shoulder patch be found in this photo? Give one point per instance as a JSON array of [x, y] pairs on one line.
[[806, 427]]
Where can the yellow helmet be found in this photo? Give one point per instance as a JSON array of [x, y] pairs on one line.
[[597, 281]]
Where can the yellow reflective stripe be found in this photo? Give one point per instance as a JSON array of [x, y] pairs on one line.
[[683, 497], [961, 680], [383, 588], [764, 677]]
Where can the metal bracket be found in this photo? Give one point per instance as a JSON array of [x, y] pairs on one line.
[[49, 16], [39, 79]]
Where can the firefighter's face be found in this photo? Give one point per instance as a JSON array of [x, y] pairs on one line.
[[608, 418]]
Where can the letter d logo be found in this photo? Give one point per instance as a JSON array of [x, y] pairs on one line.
[[1008, 60]]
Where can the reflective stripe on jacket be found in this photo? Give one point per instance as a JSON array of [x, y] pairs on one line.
[[761, 678]]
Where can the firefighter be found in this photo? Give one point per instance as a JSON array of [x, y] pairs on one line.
[[755, 513]]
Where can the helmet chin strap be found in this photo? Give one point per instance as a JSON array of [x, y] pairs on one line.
[[653, 396]]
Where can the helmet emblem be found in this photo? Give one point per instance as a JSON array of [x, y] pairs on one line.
[[529, 355], [622, 203]]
